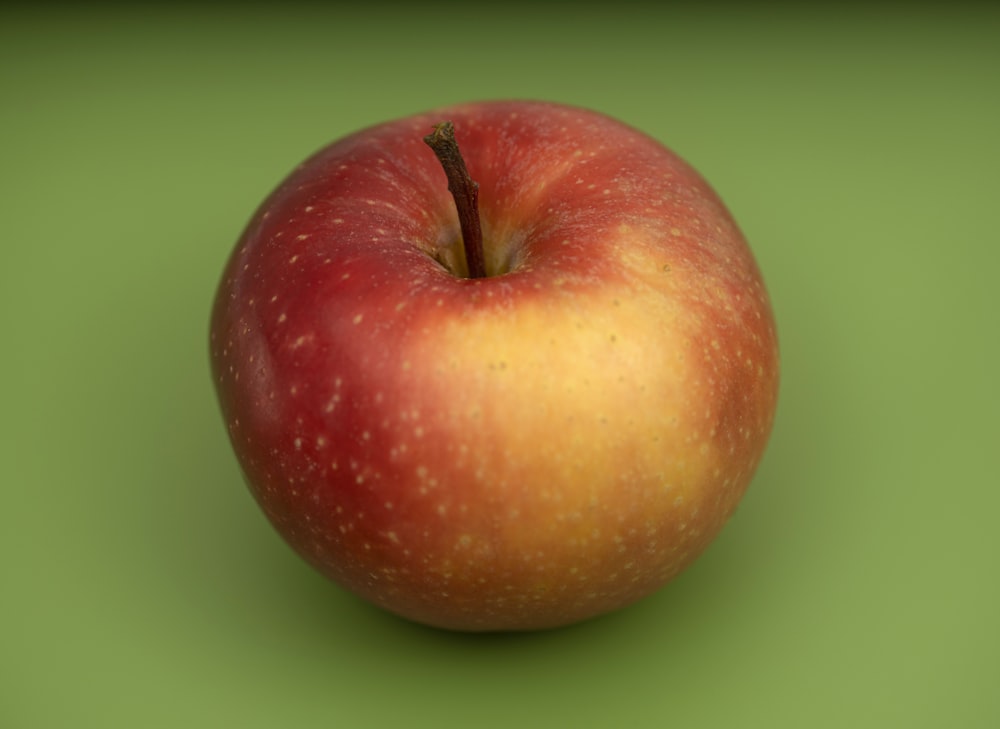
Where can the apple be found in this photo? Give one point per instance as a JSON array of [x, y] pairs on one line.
[[518, 403]]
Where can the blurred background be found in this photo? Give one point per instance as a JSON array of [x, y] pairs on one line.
[[856, 144]]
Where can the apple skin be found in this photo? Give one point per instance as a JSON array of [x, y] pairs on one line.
[[522, 451]]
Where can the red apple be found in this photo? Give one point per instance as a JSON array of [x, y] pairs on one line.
[[523, 450]]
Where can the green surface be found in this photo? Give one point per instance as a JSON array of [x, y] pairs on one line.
[[856, 587]]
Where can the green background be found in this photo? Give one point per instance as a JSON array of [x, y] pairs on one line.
[[856, 587]]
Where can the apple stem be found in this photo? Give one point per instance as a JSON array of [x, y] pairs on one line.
[[465, 191]]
